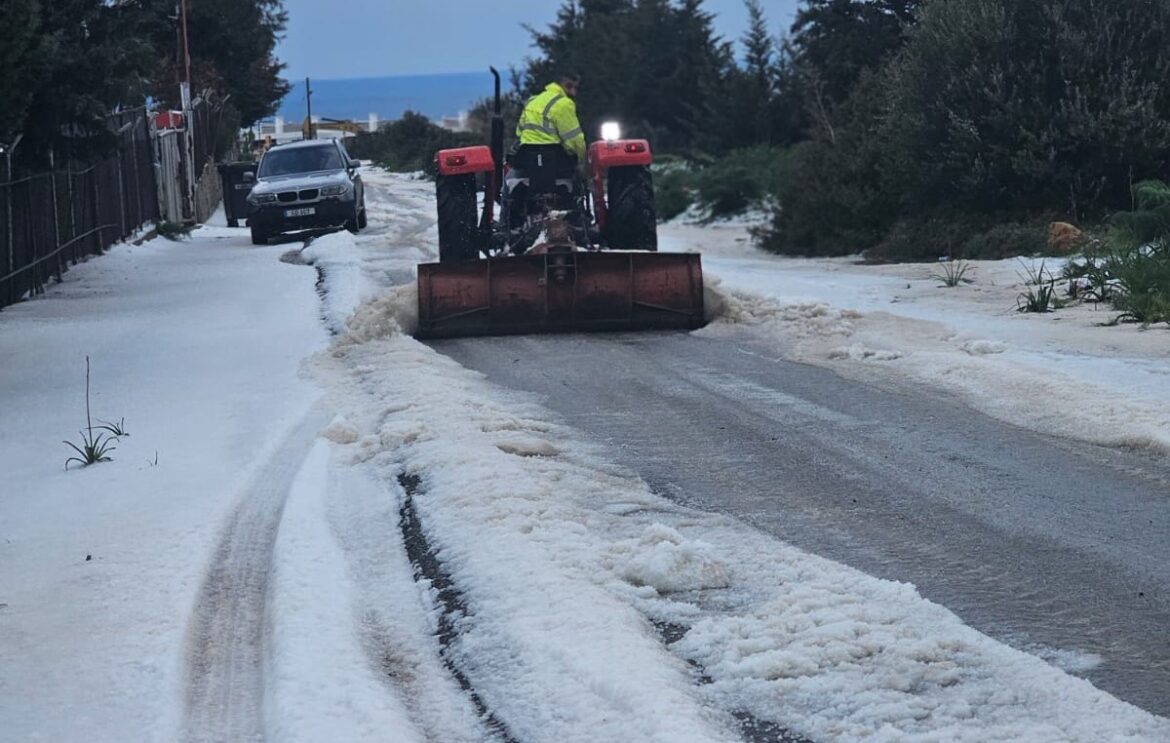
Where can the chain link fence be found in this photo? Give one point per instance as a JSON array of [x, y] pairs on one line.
[[50, 221]]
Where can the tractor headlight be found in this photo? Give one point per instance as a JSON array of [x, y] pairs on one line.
[[339, 190], [611, 131]]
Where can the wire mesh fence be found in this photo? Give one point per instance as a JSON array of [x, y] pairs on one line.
[[49, 221]]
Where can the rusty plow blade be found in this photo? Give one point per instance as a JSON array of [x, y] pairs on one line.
[[560, 293]]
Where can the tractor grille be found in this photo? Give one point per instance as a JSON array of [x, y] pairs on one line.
[[287, 196], [308, 194]]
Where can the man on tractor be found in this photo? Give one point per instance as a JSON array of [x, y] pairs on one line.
[[550, 118], [547, 165]]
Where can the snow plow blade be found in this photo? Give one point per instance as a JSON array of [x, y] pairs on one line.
[[560, 293]]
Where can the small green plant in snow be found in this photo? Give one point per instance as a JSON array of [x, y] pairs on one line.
[[94, 447], [953, 273], [1039, 293]]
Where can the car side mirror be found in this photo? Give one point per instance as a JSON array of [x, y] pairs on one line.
[[249, 177], [354, 163]]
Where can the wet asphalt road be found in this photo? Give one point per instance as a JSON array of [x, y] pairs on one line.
[[1036, 541]]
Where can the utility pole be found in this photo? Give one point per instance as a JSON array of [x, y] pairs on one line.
[[185, 101], [309, 106], [184, 58]]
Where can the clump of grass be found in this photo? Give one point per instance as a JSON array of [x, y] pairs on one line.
[[94, 447], [117, 430], [173, 230], [1143, 279], [1039, 293], [1089, 278], [953, 273], [1139, 261]]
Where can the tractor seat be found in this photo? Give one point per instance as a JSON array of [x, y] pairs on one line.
[[543, 165]]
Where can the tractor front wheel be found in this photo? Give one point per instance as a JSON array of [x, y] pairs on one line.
[[632, 222], [456, 197]]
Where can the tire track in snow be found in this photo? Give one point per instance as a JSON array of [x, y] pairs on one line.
[[451, 603], [226, 635], [753, 729]]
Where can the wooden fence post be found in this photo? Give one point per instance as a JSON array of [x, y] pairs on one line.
[[56, 216]]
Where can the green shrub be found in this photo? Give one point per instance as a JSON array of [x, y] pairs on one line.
[[1007, 240], [1148, 223], [828, 201], [969, 237], [1143, 283], [921, 240], [721, 187], [1139, 255], [409, 144], [741, 180], [674, 192]]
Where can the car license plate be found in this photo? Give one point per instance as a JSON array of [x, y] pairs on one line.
[[305, 212]]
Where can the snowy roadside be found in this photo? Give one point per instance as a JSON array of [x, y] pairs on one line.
[[1062, 373], [197, 344], [573, 575], [588, 607]]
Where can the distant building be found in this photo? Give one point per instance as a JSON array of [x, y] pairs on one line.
[[277, 130], [459, 123]]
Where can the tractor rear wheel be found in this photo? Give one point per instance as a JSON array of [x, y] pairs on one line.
[[632, 222], [456, 197]]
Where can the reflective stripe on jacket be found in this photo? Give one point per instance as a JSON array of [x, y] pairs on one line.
[[550, 117]]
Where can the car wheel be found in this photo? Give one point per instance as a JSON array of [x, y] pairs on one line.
[[353, 224], [362, 221], [259, 236]]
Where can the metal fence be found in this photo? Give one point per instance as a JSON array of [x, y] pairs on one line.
[[49, 221]]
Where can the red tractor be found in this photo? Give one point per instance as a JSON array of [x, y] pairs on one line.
[[563, 255]]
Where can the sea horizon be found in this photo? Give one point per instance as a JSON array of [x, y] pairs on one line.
[[389, 96]]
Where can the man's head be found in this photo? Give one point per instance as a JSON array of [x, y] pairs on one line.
[[571, 82]]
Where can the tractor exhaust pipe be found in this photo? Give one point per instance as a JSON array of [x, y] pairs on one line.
[[497, 140], [491, 191]]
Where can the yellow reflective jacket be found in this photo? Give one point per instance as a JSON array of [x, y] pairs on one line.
[[550, 117]]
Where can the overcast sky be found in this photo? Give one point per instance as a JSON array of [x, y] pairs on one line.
[[370, 38]]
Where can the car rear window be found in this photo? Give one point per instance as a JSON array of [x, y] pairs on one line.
[[300, 160]]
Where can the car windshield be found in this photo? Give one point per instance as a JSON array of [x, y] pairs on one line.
[[300, 160]]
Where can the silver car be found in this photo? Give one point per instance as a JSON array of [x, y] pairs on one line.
[[303, 185]]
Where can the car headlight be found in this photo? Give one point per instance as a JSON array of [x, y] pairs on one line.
[[262, 198], [339, 190]]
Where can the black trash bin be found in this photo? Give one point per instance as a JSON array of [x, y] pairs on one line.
[[235, 190]]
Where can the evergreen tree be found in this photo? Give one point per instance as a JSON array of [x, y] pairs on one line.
[[23, 60], [231, 46], [1046, 104], [700, 88], [91, 60], [65, 64], [833, 42], [653, 65], [753, 88]]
